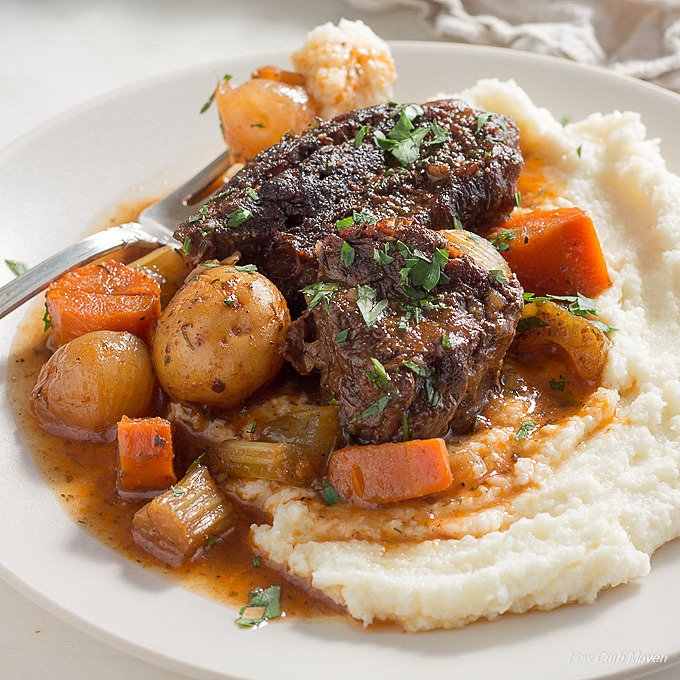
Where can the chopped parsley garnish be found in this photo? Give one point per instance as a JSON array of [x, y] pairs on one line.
[[411, 111], [238, 217], [341, 337], [457, 223], [482, 120], [198, 460], [447, 343], [252, 428], [500, 242], [223, 193], [564, 121], [526, 427], [602, 326], [579, 150], [323, 290], [417, 307], [439, 134], [344, 222], [245, 267], [421, 271], [258, 125], [265, 603], [406, 149], [404, 139], [557, 385], [198, 215], [17, 268], [382, 256], [374, 408], [579, 304], [187, 245], [402, 324], [330, 495], [518, 199], [256, 561], [357, 217], [503, 126], [422, 371], [347, 254], [251, 193], [369, 308], [211, 541], [379, 377], [582, 305], [532, 297], [363, 217], [434, 399], [404, 125], [177, 491], [530, 322], [46, 320], [211, 99], [361, 133], [499, 275], [406, 432]]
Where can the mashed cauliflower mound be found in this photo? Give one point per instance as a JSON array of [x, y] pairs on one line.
[[345, 67], [603, 489]]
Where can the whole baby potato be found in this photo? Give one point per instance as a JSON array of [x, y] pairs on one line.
[[221, 337], [91, 382]]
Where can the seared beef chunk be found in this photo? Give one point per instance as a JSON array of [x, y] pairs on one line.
[[408, 333], [438, 164]]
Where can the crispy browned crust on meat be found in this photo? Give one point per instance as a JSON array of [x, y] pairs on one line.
[[306, 183]]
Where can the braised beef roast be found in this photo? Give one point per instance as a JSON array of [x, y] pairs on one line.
[[407, 332], [443, 164]]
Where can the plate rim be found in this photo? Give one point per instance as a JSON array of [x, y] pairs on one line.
[[140, 83]]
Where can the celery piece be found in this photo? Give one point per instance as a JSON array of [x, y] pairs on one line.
[[178, 522], [293, 449], [314, 430], [276, 461]]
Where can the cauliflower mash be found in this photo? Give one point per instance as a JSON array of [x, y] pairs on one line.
[[345, 67], [596, 494]]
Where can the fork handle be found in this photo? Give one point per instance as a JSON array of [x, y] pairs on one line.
[[127, 241]]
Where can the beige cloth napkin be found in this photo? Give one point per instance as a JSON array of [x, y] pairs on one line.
[[637, 37]]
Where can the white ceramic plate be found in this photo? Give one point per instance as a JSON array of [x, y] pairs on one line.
[[140, 142]]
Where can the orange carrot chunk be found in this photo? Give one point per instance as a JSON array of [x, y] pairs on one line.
[[556, 251], [377, 474], [103, 297], [144, 456]]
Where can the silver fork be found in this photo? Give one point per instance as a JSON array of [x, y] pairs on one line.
[[127, 241]]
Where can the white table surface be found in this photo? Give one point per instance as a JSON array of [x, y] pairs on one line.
[[55, 54]]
